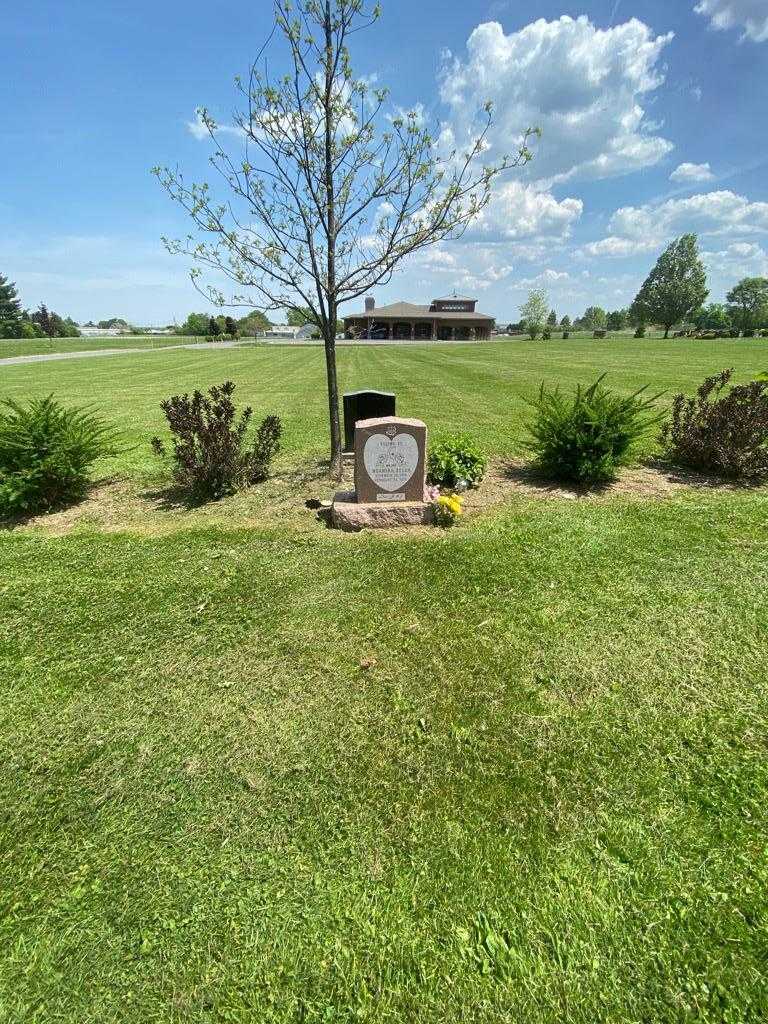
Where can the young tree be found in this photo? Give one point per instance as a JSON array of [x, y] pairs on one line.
[[331, 194], [565, 323], [214, 327], [10, 309], [552, 319], [230, 326], [675, 288], [748, 302], [533, 312], [595, 318]]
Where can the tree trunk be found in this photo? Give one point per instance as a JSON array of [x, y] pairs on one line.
[[666, 332], [329, 331], [333, 401]]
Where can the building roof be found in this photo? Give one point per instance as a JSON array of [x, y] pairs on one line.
[[454, 298], [409, 311]]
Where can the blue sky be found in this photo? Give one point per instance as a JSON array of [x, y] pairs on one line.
[[653, 117]]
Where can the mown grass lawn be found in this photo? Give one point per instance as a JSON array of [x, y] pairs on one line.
[[512, 772]]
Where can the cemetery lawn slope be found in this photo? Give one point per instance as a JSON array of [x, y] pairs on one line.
[[512, 772]]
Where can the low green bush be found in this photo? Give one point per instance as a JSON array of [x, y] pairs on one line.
[[455, 458], [46, 453], [725, 432], [585, 437], [211, 454]]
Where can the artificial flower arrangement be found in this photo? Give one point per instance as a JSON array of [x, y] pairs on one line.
[[447, 507]]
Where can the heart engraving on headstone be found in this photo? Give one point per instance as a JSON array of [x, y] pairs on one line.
[[391, 462]]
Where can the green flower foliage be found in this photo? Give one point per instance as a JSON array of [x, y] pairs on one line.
[[455, 458]]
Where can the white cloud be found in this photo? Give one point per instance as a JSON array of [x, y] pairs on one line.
[[712, 213], [548, 278], [692, 172], [583, 86], [740, 259], [199, 129], [749, 15], [517, 211], [615, 248], [477, 269]]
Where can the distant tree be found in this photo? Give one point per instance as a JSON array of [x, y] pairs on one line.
[[565, 323], [45, 321], [676, 287], [552, 319], [299, 316], [330, 194], [617, 320], [214, 327], [67, 328], [10, 309], [255, 323], [116, 321], [595, 318], [534, 311], [748, 303], [714, 317], [196, 325], [230, 327]]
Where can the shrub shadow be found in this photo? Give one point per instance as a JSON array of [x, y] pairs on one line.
[[533, 479], [8, 523], [687, 476]]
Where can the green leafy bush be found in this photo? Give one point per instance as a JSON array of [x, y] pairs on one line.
[[721, 431], [211, 456], [46, 453], [584, 438], [455, 458], [640, 331]]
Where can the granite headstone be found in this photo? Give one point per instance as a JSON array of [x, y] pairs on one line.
[[390, 460], [364, 405]]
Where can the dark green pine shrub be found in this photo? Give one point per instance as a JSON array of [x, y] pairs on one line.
[[211, 453], [46, 453], [455, 458], [721, 431], [585, 437]]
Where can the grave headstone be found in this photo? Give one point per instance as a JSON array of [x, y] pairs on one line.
[[364, 405], [390, 460]]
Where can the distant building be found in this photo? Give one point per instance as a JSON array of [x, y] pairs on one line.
[[103, 332], [453, 318], [281, 331]]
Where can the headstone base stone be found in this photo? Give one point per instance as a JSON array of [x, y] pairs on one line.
[[350, 515]]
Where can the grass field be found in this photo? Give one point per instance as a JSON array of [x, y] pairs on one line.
[[43, 346], [515, 772]]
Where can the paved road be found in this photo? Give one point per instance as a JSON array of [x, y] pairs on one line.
[[47, 357]]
